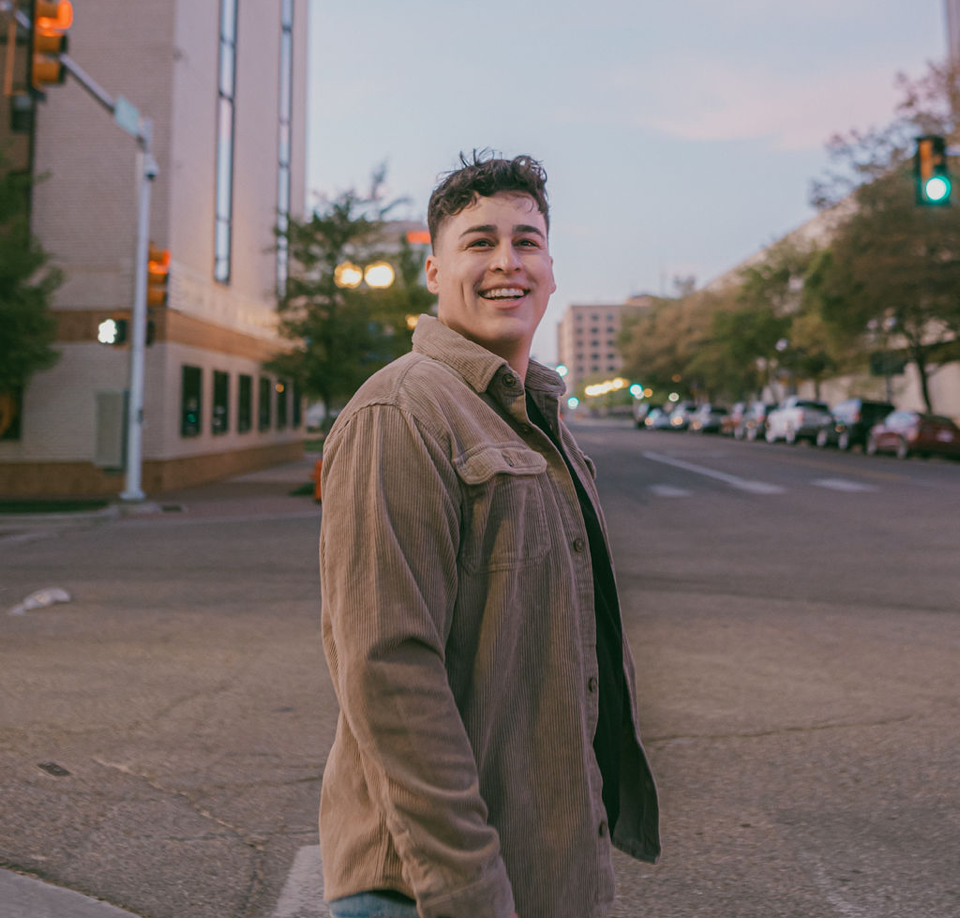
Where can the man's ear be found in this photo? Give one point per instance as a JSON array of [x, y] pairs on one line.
[[432, 269]]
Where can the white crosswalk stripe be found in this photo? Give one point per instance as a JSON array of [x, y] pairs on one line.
[[665, 490], [843, 484]]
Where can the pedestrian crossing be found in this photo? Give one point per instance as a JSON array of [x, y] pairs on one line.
[[739, 483], [659, 489]]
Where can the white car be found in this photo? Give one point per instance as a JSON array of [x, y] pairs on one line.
[[796, 419]]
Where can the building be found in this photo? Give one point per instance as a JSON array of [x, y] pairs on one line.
[[952, 15], [225, 86], [587, 339]]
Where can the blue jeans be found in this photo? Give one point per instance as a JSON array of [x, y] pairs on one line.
[[374, 905]]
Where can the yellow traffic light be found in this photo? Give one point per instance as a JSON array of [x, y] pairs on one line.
[[50, 20], [158, 275]]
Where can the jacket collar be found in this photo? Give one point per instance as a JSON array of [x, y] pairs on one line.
[[473, 362]]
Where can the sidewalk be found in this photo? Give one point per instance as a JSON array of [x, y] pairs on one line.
[[24, 897], [265, 493]]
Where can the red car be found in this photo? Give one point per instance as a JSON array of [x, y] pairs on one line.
[[907, 432]]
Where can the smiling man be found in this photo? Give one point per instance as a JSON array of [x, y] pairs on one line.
[[487, 754]]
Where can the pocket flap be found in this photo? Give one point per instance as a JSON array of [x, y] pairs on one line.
[[480, 465]]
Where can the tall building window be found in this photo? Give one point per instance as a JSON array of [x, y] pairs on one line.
[[191, 385], [282, 396], [220, 419], [266, 403], [244, 403], [297, 405], [286, 116], [226, 115]]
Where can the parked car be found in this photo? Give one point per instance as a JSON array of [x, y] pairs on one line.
[[732, 419], [850, 422], [657, 419], [796, 419], [905, 433], [681, 415], [640, 412], [753, 422], [708, 418]]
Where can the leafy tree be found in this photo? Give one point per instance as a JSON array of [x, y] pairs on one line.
[[893, 264], [27, 284], [340, 336]]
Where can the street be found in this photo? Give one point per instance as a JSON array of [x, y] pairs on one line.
[[793, 613]]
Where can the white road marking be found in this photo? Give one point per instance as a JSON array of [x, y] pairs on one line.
[[842, 484], [741, 484], [665, 490], [302, 895]]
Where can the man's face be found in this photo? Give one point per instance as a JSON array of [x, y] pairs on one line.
[[493, 275]]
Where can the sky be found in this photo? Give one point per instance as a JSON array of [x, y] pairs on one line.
[[679, 136]]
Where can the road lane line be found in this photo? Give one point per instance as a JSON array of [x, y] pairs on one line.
[[741, 484], [302, 895], [665, 490], [843, 484]]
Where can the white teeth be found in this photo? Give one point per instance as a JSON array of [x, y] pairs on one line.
[[501, 293]]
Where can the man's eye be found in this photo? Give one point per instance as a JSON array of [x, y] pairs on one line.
[[531, 243], [479, 243]]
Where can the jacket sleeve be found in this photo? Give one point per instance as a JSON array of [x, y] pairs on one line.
[[388, 565]]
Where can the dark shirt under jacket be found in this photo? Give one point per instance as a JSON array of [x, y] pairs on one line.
[[606, 741]]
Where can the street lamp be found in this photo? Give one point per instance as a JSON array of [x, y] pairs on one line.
[[378, 275]]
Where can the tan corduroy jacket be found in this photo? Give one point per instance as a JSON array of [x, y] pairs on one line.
[[459, 627]]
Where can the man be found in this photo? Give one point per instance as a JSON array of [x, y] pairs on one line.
[[487, 753]]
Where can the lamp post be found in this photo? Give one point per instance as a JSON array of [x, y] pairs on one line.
[[378, 276]]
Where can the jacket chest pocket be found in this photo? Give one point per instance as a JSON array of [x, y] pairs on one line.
[[505, 520]]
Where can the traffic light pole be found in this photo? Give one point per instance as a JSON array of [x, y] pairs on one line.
[[141, 129]]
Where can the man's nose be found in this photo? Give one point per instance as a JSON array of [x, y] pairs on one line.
[[506, 257]]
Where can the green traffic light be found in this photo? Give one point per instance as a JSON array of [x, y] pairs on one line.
[[937, 189]]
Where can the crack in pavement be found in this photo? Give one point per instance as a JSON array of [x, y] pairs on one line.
[[256, 884]]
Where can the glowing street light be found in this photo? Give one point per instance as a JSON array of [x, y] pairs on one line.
[[379, 275], [347, 274]]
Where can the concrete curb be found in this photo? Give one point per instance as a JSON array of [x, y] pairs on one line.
[[25, 897]]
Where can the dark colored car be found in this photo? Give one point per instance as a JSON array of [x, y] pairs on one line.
[[707, 418], [851, 421], [906, 433], [753, 422]]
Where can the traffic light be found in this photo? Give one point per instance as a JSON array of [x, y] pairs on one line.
[[932, 174], [158, 275], [112, 331], [49, 22]]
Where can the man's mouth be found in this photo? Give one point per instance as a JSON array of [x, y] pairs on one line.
[[504, 293]]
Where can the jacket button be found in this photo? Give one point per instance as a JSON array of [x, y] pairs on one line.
[[578, 544], [525, 428], [509, 380], [602, 830], [592, 684]]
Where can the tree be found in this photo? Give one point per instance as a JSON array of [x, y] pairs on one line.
[[340, 336], [27, 285], [893, 264]]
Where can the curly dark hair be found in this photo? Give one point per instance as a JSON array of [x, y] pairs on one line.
[[484, 174]]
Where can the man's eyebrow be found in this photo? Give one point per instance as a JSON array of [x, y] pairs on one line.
[[490, 228]]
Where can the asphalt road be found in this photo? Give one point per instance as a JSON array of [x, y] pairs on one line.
[[795, 619]]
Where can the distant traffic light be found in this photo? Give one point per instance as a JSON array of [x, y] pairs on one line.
[[49, 22], [112, 331], [158, 275], [931, 172]]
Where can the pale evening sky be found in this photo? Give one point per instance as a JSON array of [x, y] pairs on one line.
[[679, 136]]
